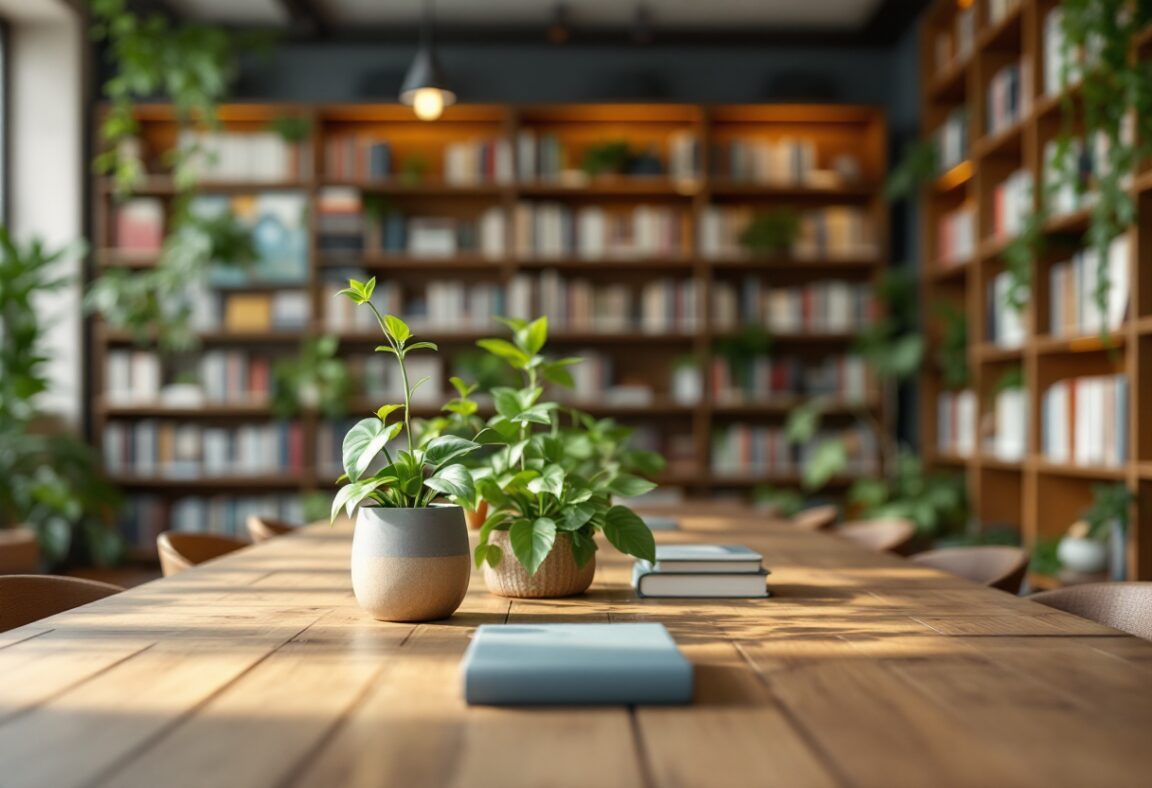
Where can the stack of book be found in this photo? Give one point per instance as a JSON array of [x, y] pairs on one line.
[[786, 161], [594, 232], [340, 220], [1008, 440], [1011, 204], [701, 570], [352, 157], [477, 161], [248, 156], [952, 138], [1008, 93], [539, 157], [823, 233], [956, 238], [765, 379], [131, 377], [956, 422], [828, 306]]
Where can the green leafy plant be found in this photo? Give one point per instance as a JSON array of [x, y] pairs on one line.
[[316, 377], [919, 163], [1045, 558], [48, 479], [952, 352], [609, 157], [413, 477], [935, 501], [779, 501], [771, 232], [294, 129], [1111, 503], [545, 480]]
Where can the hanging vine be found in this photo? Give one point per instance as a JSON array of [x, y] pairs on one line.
[[1110, 93], [194, 67]]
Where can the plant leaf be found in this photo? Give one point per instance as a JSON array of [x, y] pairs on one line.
[[828, 459], [628, 485], [583, 548], [396, 328], [454, 481], [551, 480], [504, 349], [629, 534], [445, 448], [363, 442], [384, 411], [534, 335], [532, 540]]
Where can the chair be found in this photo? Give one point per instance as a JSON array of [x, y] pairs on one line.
[[817, 518], [996, 567], [182, 551], [884, 534], [261, 529], [1123, 606], [28, 598]]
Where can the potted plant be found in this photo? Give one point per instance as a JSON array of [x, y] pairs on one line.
[[459, 418], [409, 552], [1085, 548], [546, 499]]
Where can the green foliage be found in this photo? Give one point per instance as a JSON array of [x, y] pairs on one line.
[[952, 354], [771, 232], [893, 350], [1045, 558], [545, 478], [51, 482], [779, 501], [410, 478], [1012, 378], [935, 501], [918, 164], [1111, 503], [292, 128], [610, 157], [317, 373]]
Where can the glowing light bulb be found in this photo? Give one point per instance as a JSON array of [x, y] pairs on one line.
[[428, 103]]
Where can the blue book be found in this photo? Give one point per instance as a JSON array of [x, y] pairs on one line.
[[575, 664]]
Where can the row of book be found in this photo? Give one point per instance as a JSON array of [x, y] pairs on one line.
[[135, 377], [830, 306], [1009, 93], [179, 450], [1062, 65], [131, 377], [244, 156], [820, 234], [742, 450], [845, 378], [1084, 421], [956, 236], [465, 162], [658, 306], [785, 161], [282, 310], [1074, 308], [546, 229], [138, 224], [956, 422], [1011, 205], [1006, 326], [952, 139], [276, 223], [440, 237], [1071, 183], [144, 517]]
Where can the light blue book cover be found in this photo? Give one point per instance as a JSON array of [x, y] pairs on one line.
[[575, 664]]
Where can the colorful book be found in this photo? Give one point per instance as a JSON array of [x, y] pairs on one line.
[[716, 585], [575, 664]]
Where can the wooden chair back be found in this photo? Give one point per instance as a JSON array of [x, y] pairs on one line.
[[261, 529], [993, 566], [28, 598], [883, 534], [181, 551], [1123, 606]]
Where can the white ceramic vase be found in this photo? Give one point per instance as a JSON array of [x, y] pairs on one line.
[[1081, 554], [410, 564]]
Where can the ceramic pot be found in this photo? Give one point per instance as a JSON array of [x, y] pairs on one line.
[[476, 518], [410, 564], [558, 576], [1081, 554]]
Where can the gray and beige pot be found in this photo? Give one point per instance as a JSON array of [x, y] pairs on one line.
[[410, 564], [558, 576]]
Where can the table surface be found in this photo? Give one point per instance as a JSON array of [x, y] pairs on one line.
[[259, 669]]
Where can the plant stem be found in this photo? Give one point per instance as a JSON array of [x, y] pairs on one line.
[[403, 372]]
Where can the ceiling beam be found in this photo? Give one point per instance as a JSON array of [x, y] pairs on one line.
[[306, 18]]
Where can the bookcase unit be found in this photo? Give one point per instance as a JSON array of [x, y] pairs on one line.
[[965, 48], [487, 210]]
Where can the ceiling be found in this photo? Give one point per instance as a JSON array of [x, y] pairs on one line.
[[702, 19]]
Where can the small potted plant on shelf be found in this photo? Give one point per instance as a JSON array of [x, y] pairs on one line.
[[549, 489], [410, 550], [1085, 548]]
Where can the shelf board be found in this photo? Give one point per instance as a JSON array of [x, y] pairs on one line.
[[126, 258], [163, 185], [622, 186], [1084, 344], [946, 273], [788, 264], [222, 337], [948, 458], [949, 85], [991, 353], [554, 336], [1005, 142], [786, 480], [954, 178], [681, 264], [209, 410], [1082, 471], [406, 262], [997, 464], [784, 406], [815, 338], [288, 479], [729, 188], [422, 189], [1001, 34], [1075, 222]]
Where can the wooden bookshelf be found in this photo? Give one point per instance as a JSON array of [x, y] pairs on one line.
[[1037, 496], [847, 133]]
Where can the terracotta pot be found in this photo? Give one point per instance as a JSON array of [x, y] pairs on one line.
[[558, 576], [410, 564], [476, 518], [19, 551]]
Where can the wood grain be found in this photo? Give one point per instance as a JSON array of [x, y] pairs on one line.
[[259, 670]]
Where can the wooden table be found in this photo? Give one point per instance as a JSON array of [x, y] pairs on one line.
[[863, 670]]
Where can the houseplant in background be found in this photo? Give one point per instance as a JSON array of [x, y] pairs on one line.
[[550, 489], [409, 554], [49, 481], [316, 378], [1096, 542]]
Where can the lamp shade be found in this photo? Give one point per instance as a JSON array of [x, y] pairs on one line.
[[424, 88]]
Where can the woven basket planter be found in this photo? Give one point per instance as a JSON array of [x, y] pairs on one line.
[[558, 576]]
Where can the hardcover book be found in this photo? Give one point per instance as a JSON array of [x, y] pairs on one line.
[[575, 664], [714, 585], [705, 558]]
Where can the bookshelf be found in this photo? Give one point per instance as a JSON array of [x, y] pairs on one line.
[[1012, 477], [513, 179]]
